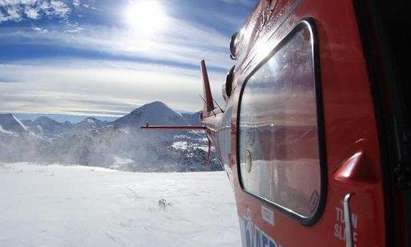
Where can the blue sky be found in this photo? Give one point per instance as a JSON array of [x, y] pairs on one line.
[[105, 58]]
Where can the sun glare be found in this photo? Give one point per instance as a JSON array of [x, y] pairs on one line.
[[145, 17]]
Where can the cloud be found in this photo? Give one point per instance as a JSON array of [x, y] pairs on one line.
[[17, 10], [248, 3], [57, 8], [79, 86], [112, 69], [32, 13], [9, 14], [185, 43]]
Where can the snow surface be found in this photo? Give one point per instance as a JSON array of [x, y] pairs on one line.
[[121, 163], [180, 145], [62, 206]]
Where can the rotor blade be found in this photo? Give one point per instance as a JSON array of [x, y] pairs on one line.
[[174, 127]]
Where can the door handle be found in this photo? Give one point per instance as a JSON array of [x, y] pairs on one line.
[[349, 240]]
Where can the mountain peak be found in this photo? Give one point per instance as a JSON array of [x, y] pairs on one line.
[[45, 120], [90, 122], [9, 122], [156, 103], [153, 106], [154, 113]]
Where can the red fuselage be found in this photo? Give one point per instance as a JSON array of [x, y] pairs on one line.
[[299, 132]]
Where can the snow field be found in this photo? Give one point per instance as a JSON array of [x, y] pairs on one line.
[[53, 206]]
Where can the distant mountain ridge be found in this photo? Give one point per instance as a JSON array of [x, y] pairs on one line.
[[154, 113], [120, 144], [46, 126]]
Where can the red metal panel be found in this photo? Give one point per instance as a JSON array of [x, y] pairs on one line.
[[349, 123]]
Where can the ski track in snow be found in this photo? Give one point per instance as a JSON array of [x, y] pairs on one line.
[[65, 206]]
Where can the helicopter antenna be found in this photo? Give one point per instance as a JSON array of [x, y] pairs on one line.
[[219, 107], [201, 96]]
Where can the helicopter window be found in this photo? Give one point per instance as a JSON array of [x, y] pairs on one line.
[[278, 145]]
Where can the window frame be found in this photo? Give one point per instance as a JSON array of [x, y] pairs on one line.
[[309, 24]]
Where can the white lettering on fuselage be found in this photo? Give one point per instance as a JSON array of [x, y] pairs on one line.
[[267, 215], [339, 227], [252, 236]]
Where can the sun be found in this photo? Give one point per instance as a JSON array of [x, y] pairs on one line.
[[145, 17]]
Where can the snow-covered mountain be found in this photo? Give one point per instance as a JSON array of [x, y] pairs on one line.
[[47, 127], [90, 123], [154, 113], [62, 206], [120, 144], [9, 124]]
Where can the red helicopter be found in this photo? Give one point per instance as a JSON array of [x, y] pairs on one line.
[[315, 133]]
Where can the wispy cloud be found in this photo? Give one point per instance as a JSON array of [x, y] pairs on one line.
[[17, 10], [242, 2], [79, 85], [185, 43], [76, 3]]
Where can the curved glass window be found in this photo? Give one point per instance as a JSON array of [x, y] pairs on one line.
[[278, 128]]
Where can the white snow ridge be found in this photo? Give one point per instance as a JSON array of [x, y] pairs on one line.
[[62, 206], [5, 131]]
